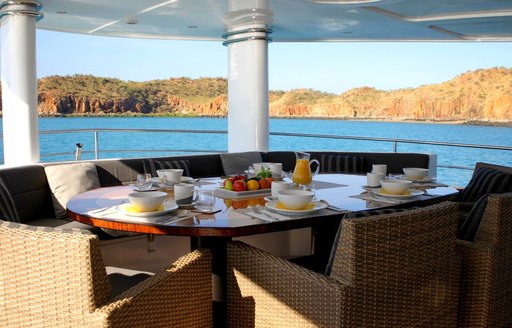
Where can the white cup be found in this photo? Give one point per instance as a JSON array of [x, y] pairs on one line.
[[276, 168], [170, 176], [380, 168], [205, 200], [373, 179], [184, 193], [276, 186]]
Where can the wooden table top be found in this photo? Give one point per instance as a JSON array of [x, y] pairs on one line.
[[230, 222]]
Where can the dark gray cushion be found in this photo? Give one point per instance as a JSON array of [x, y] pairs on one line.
[[486, 181], [151, 165], [8, 210], [470, 226], [236, 163], [342, 164]]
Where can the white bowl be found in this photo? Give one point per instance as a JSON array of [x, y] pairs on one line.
[[415, 173], [395, 186], [170, 176], [295, 199], [147, 201]]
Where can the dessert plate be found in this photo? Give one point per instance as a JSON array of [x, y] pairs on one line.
[[129, 210], [313, 207]]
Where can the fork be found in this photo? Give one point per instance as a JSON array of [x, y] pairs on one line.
[[257, 211]]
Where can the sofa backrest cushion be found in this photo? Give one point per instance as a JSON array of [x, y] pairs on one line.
[[8, 210], [152, 165], [236, 163], [68, 180], [470, 226], [342, 164], [486, 181], [29, 190]]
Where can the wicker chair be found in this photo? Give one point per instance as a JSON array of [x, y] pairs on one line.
[[391, 270], [56, 278], [486, 297]]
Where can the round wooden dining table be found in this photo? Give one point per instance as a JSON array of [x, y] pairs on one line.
[[214, 231]]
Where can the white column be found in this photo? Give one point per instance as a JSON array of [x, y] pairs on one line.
[[19, 81], [247, 41]]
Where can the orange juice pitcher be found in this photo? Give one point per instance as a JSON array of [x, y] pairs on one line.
[[302, 173]]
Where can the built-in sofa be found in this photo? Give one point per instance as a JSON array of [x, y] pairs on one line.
[[32, 196]]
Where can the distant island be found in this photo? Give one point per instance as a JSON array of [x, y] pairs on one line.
[[482, 96]]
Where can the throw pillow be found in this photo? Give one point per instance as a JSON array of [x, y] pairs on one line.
[[151, 165], [236, 163], [486, 181], [68, 180], [8, 210], [342, 164], [470, 226]]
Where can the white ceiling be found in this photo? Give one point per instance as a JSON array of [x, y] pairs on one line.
[[292, 20]]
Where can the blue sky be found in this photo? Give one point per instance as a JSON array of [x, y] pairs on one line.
[[330, 67]]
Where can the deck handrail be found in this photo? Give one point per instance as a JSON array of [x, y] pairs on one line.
[[393, 141]]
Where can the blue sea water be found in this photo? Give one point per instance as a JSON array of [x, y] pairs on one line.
[[158, 144]]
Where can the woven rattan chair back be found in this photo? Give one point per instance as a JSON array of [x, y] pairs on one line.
[[486, 297], [402, 267], [49, 276]]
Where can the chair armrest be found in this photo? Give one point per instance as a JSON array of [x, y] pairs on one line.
[[178, 295], [264, 290]]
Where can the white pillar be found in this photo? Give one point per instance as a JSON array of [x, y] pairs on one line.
[[19, 81], [247, 41]]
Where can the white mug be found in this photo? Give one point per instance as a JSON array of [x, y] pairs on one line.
[[276, 168], [276, 186], [373, 179], [380, 168], [184, 193]]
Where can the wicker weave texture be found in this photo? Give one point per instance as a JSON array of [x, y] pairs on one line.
[[393, 270], [486, 287], [56, 279]]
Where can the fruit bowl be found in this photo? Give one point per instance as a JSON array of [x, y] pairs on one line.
[[395, 186], [415, 173], [295, 199]]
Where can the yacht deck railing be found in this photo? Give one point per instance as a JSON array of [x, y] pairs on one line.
[[393, 141]]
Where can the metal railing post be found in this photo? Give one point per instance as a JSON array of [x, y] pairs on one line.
[[395, 146], [96, 144]]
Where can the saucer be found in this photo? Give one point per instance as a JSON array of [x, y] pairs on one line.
[[423, 180]]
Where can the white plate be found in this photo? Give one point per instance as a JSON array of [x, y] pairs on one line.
[[137, 189], [413, 193], [317, 207], [168, 207], [425, 179], [158, 181]]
